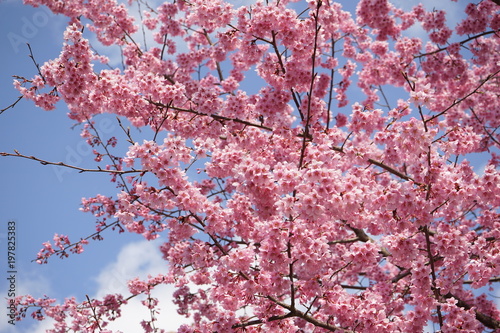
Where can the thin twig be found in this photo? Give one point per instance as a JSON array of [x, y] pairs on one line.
[[34, 61], [435, 289], [94, 313], [44, 162], [12, 105], [460, 100]]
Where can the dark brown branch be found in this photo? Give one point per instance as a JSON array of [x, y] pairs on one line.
[[435, 289], [217, 64], [12, 105], [345, 286], [259, 321], [460, 100], [387, 104], [295, 96], [496, 279], [401, 275], [117, 166], [94, 314], [484, 127], [390, 169], [290, 269], [362, 236], [34, 62], [462, 42], [44, 162], [306, 137], [126, 131], [383, 166], [344, 241], [312, 320], [481, 317], [214, 116]]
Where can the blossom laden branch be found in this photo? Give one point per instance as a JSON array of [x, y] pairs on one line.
[[483, 318], [214, 116], [461, 43], [460, 100], [302, 315], [383, 166], [63, 243]]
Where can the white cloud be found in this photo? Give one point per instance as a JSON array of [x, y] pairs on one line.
[[138, 260], [42, 327], [28, 283]]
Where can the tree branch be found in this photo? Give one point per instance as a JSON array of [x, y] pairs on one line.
[[462, 42], [314, 321], [214, 116], [44, 162], [481, 317], [12, 105], [460, 100]]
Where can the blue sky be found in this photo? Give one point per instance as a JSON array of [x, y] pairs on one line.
[[44, 200]]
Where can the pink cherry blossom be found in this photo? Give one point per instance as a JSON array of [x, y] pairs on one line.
[[308, 169]]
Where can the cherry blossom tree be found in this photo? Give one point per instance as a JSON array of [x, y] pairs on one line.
[[339, 196]]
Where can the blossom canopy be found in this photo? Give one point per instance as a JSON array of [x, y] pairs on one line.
[[308, 169]]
